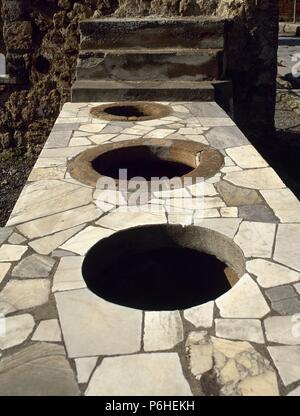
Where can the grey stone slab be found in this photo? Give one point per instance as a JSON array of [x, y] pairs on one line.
[[5, 232], [280, 292], [223, 137], [38, 370], [34, 266], [206, 109], [283, 330], [16, 238], [289, 306], [58, 139], [236, 196], [65, 127], [257, 213]]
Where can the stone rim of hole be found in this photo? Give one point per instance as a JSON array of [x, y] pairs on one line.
[[145, 238], [204, 160]]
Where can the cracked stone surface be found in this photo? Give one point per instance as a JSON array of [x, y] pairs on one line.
[[64, 340], [244, 300], [68, 274], [239, 370], [17, 330], [240, 329], [200, 316], [38, 370], [34, 266], [24, 294], [162, 330], [84, 368], [139, 375], [48, 330], [90, 325], [271, 274]]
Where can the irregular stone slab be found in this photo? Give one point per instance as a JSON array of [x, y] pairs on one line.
[[287, 362], [38, 370], [222, 137], [84, 368], [4, 267], [236, 196], [297, 287], [48, 330], [264, 178], [284, 203], [240, 329], [256, 238], [38, 174], [234, 366], [200, 316], [282, 329], [16, 238], [92, 326], [281, 292], [261, 385], [229, 212], [58, 222], [5, 232], [246, 157], [43, 198], [216, 121], [152, 374], [34, 266], [16, 330], [295, 392], [59, 138], [10, 252], [46, 245], [85, 239], [289, 306], [285, 252], [118, 220], [24, 294], [260, 213], [65, 152], [244, 300], [226, 226], [47, 162], [271, 274], [68, 274], [162, 330]]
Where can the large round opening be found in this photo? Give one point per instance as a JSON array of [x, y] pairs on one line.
[[146, 158], [163, 267], [143, 161], [131, 111]]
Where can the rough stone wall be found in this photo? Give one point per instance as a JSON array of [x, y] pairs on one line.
[[41, 41]]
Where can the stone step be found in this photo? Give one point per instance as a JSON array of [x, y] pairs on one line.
[[151, 65], [101, 91], [184, 32]]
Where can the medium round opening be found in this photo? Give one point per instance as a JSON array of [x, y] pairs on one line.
[[131, 111], [146, 158], [163, 267], [142, 161]]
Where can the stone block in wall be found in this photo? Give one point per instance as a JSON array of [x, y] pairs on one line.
[[13, 10], [17, 35], [18, 66]]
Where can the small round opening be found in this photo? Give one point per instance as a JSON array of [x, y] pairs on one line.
[[131, 111], [42, 65], [143, 161], [127, 112], [163, 267]]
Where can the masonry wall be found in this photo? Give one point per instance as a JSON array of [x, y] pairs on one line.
[[41, 43]]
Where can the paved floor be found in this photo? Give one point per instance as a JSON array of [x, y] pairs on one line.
[[60, 338], [289, 59]]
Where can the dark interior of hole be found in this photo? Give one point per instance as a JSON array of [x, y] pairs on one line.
[[160, 279], [124, 111], [139, 161]]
